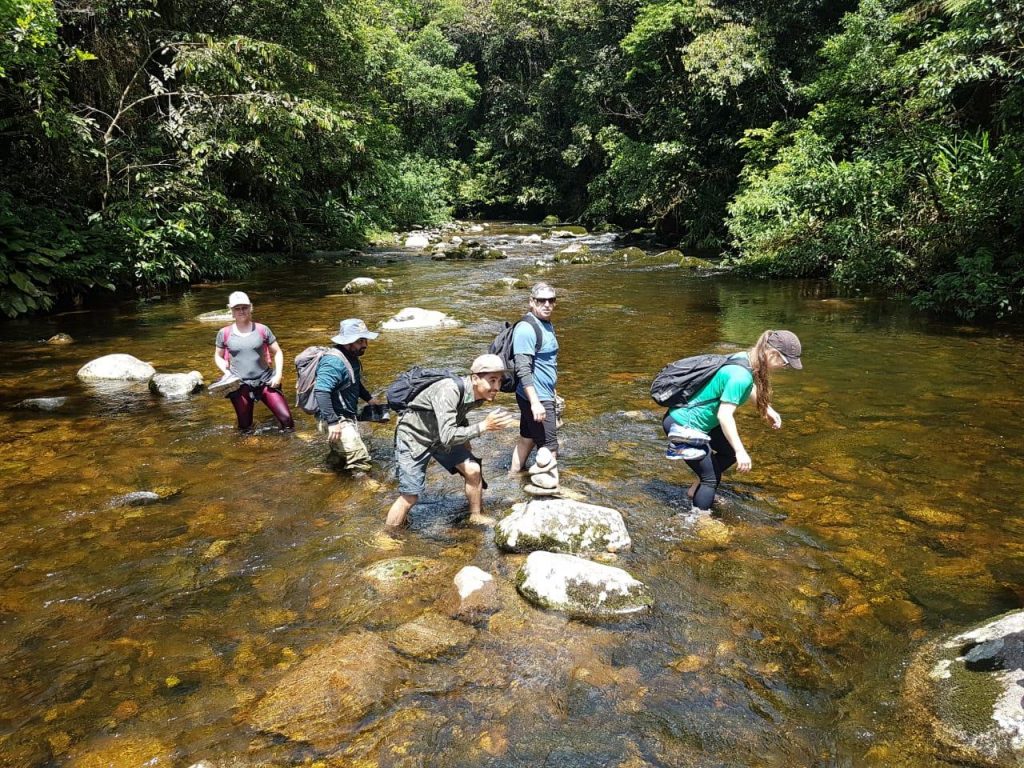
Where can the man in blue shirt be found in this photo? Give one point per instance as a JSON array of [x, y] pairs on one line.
[[338, 387], [537, 371]]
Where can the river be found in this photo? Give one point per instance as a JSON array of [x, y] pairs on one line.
[[885, 512]]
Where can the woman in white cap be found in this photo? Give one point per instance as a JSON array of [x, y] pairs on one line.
[[711, 410], [247, 350]]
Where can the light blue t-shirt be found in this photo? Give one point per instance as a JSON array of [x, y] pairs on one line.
[[545, 360], [731, 384]]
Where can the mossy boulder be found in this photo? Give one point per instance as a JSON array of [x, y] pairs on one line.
[[574, 254], [117, 367], [692, 262], [550, 221], [562, 525], [632, 253], [569, 230], [401, 569], [967, 689], [364, 285], [581, 588]]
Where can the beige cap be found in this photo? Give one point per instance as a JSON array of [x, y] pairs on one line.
[[488, 364]]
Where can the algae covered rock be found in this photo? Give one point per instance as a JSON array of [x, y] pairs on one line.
[[363, 285], [117, 367], [325, 697], [562, 525], [692, 262], [432, 636], [969, 687], [397, 570], [631, 253], [580, 587], [574, 254]]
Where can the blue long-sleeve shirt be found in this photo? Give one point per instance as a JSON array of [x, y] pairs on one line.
[[337, 392]]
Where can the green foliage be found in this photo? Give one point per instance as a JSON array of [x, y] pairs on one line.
[[907, 174]]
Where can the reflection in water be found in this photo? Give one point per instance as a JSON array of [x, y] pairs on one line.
[[885, 511]]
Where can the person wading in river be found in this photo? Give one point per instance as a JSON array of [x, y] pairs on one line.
[[536, 365], [712, 408], [338, 389], [435, 426], [245, 349]]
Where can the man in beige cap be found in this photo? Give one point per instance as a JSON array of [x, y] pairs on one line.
[[435, 426]]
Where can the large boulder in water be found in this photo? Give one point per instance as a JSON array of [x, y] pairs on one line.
[[175, 386], [417, 240], [116, 368], [561, 525], [580, 587], [969, 689], [325, 697], [42, 403], [414, 318], [431, 637]]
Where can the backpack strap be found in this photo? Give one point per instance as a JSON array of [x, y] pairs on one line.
[[335, 352], [531, 318], [226, 333], [742, 362], [264, 333]]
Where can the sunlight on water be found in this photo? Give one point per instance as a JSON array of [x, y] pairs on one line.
[[885, 512]]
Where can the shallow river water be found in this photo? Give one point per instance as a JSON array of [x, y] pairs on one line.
[[885, 512]]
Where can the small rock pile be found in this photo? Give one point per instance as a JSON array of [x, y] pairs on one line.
[[543, 475]]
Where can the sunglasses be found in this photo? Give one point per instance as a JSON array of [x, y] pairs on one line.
[[785, 360], [545, 299]]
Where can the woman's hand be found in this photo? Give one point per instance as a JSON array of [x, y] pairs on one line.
[[774, 417], [743, 463], [275, 380]]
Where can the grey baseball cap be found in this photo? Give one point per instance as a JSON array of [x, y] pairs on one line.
[[788, 344]]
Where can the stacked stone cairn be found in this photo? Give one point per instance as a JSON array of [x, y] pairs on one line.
[[543, 475]]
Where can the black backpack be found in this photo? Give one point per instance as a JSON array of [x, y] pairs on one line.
[[306, 364], [681, 380], [410, 383], [502, 347]]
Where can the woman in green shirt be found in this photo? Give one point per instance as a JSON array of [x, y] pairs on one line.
[[712, 409]]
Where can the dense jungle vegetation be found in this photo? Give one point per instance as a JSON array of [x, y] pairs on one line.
[[147, 143]]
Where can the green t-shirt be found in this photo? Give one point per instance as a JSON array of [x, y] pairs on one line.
[[731, 384]]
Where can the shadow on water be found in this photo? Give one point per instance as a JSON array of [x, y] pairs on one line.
[[884, 512]]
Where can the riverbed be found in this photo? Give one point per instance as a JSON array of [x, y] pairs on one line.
[[885, 512]]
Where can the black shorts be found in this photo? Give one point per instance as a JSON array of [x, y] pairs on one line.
[[543, 433]]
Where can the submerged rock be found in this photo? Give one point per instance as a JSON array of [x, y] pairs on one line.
[[59, 339], [400, 569], [119, 751], [562, 525], [324, 698], [432, 636], [414, 318], [216, 316], [42, 403], [969, 689], [473, 595], [579, 587], [142, 498], [117, 367], [363, 285], [175, 386]]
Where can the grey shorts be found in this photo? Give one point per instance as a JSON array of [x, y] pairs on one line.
[[411, 461], [543, 433]]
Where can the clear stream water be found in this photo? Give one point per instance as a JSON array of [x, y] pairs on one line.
[[885, 513]]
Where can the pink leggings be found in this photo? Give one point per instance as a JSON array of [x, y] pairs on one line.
[[244, 399]]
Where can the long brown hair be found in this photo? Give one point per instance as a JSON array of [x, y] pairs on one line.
[[759, 363]]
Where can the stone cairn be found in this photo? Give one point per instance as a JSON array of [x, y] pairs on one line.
[[543, 475]]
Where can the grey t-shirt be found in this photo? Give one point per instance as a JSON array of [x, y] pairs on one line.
[[248, 361]]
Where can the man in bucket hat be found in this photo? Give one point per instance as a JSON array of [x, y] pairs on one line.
[[435, 426], [338, 388]]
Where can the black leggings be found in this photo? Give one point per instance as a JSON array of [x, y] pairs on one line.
[[709, 469]]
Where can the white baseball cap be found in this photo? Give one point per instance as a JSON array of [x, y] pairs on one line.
[[238, 298]]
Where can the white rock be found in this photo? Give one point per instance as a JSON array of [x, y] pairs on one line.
[[548, 479], [417, 241], [562, 525], [42, 403], [456, 240], [116, 367], [216, 316], [361, 285], [580, 587], [175, 386], [415, 318], [533, 239]]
